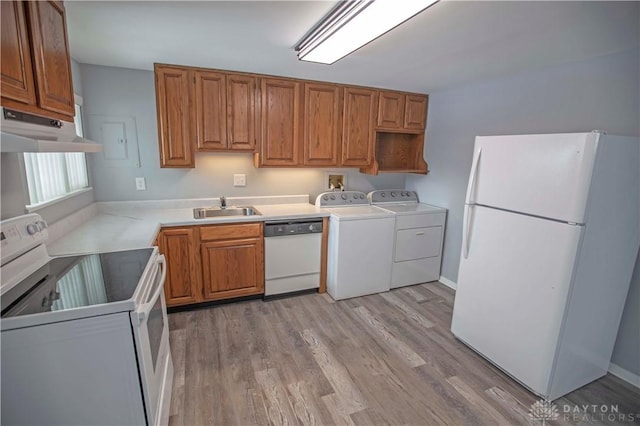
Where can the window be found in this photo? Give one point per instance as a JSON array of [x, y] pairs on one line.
[[54, 175]]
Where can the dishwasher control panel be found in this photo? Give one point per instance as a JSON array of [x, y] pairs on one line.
[[284, 228]]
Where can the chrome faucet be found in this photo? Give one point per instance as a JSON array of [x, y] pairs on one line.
[[223, 202]]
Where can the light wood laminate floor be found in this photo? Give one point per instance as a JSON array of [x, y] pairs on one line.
[[382, 359]]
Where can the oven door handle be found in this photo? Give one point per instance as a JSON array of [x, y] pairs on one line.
[[144, 308]]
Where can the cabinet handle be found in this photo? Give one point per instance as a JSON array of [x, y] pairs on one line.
[[420, 233]]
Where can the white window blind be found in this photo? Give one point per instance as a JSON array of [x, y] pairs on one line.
[[54, 175], [51, 175]]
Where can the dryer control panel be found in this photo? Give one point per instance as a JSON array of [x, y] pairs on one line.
[[393, 196]]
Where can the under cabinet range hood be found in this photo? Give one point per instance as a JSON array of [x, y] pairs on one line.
[[22, 132]]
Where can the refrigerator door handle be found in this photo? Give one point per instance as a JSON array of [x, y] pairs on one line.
[[472, 176], [467, 229]]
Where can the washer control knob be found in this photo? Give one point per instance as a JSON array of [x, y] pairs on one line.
[[384, 194], [343, 196], [362, 196], [355, 196], [333, 197], [393, 194], [325, 197]]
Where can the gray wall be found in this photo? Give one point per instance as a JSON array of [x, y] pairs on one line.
[[600, 93], [14, 194], [13, 191], [77, 77], [131, 93], [626, 353]]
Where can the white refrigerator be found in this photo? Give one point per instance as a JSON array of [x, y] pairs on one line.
[[551, 231]]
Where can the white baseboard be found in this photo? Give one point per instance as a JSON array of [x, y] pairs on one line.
[[448, 282], [626, 375]]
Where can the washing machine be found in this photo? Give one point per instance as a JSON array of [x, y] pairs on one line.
[[418, 236], [360, 247]]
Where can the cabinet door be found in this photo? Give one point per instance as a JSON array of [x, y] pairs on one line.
[[51, 56], [241, 110], [358, 134], [17, 74], [280, 122], [174, 118], [415, 112], [232, 268], [183, 284], [321, 139], [210, 110], [391, 110]]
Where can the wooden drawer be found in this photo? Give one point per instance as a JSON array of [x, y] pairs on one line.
[[419, 220], [230, 232]]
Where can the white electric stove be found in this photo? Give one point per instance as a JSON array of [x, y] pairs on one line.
[[360, 245], [85, 339], [419, 235]]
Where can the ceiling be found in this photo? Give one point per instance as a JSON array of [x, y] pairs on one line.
[[450, 44]]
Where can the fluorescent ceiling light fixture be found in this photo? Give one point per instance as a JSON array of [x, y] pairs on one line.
[[354, 23]]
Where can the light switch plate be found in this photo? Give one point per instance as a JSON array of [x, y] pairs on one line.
[[141, 185], [240, 180]]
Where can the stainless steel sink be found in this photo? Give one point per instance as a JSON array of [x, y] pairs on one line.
[[205, 212]]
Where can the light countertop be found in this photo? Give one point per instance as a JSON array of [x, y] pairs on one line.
[[124, 226]]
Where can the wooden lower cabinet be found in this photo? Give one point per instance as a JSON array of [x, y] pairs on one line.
[[179, 246], [212, 262], [232, 268], [232, 260]]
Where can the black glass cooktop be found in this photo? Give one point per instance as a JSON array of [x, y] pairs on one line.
[[77, 281]]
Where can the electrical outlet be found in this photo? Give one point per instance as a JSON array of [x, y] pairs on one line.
[[141, 185], [240, 180]]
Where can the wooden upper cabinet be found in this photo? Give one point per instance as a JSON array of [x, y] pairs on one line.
[[225, 113], [17, 75], [391, 110], [241, 111], [36, 65], [51, 56], [358, 134], [174, 116], [280, 122], [210, 105], [402, 111], [179, 246], [321, 124], [415, 112], [286, 122]]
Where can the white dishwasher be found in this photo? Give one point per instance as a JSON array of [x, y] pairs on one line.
[[292, 252]]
